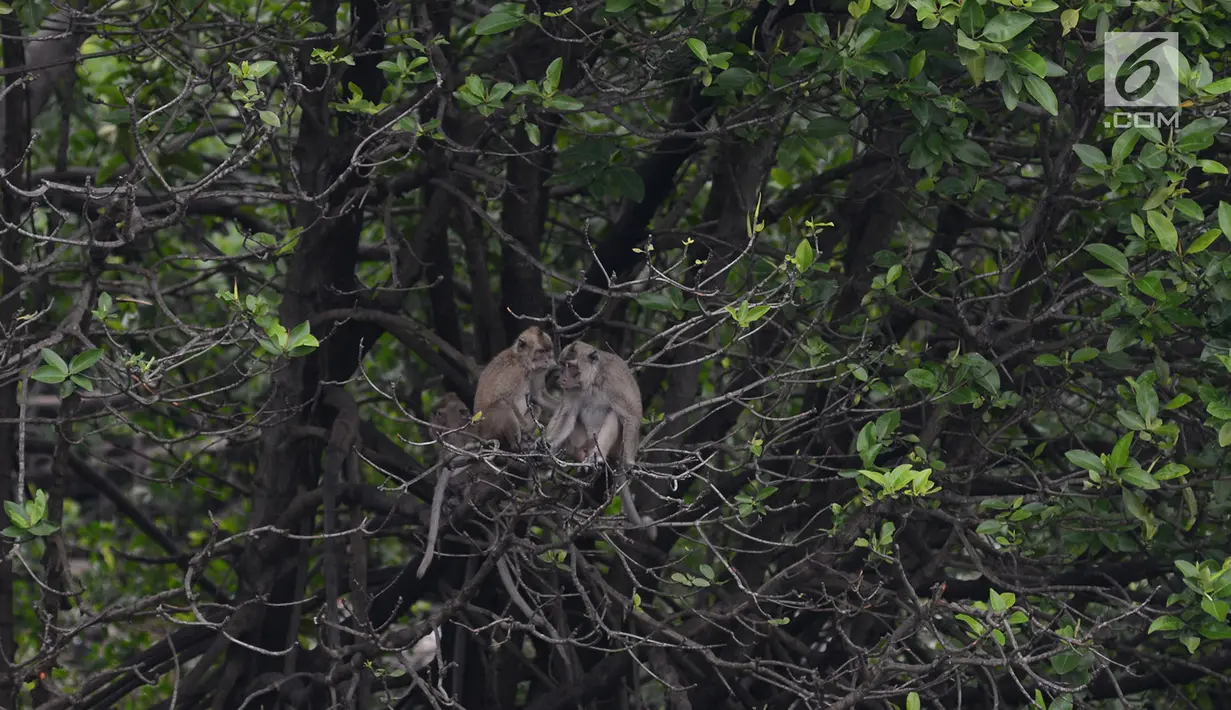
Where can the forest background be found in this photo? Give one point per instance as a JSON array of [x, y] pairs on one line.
[[934, 348]]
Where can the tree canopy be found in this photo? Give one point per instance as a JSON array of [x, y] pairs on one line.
[[934, 346]]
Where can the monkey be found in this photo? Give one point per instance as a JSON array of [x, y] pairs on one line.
[[451, 413], [599, 410], [512, 390]]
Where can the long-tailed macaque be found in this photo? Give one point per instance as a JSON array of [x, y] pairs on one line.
[[510, 385], [450, 415], [599, 411]]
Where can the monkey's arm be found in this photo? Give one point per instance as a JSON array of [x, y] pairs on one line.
[[546, 400], [562, 423]]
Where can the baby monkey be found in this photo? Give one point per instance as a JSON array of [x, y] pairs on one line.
[[599, 411], [512, 387], [451, 414]]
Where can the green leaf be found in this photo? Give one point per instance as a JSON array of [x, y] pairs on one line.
[[1119, 455], [1165, 623], [912, 698], [296, 336], [922, 379], [917, 62], [1042, 94], [1224, 218], [627, 183], [85, 360], [1216, 608], [1006, 26], [1219, 408], [1120, 338], [43, 529], [1048, 360], [17, 514], [1031, 62], [1170, 471], [1151, 286], [1068, 21], [970, 18], [1215, 88], [54, 361], [698, 49], [1139, 478], [1106, 278], [984, 372], [1224, 434], [1083, 355], [1086, 460], [968, 151], [1147, 402], [618, 6], [82, 382], [1108, 254], [1204, 241], [499, 21], [560, 102], [996, 601], [1199, 134], [551, 80], [261, 68], [499, 91], [532, 132], [1164, 230], [49, 374], [1123, 147], [1090, 156], [270, 118], [1212, 167], [805, 255]]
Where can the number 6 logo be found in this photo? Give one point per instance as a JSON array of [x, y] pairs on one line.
[[1127, 55]]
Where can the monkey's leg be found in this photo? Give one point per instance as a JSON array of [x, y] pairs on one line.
[[605, 438]]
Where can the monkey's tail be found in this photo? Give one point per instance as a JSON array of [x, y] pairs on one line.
[[630, 509], [433, 525]]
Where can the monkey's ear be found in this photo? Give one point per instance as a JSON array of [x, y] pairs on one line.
[[593, 356]]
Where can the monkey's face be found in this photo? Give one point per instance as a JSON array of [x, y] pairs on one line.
[[535, 349], [578, 364], [451, 411]]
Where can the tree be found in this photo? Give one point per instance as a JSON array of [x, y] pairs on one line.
[[930, 340]]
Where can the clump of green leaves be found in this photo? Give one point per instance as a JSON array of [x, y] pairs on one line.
[[29, 520], [248, 93], [68, 375], [277, 341]]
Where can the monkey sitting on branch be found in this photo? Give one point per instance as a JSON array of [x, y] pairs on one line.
[[600, 409], [512, 387], [510, 390]]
